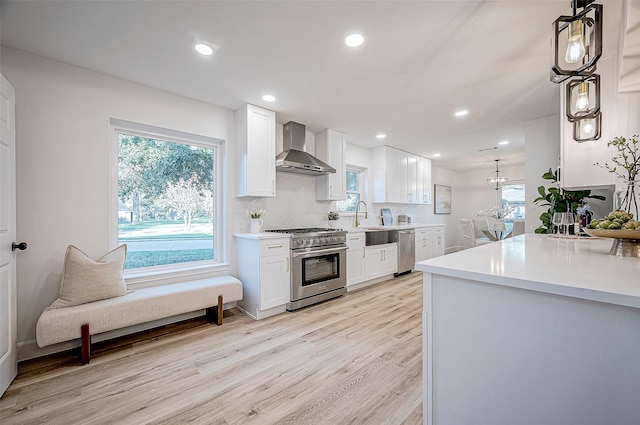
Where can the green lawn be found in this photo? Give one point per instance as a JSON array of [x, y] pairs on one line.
[[138, 259]]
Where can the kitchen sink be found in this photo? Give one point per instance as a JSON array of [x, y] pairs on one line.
[[378, 236]]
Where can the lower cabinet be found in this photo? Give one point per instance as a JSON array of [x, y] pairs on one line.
[[380, 260], [429, 242], [264, 269], [355, 258]]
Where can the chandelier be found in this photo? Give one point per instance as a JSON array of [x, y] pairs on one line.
[[497, 179], [576, 48]]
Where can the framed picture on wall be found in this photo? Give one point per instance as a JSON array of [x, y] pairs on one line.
[[442, 196]]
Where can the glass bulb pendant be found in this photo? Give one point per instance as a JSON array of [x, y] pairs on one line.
[[582, 101], [587, 127], [575, 48]]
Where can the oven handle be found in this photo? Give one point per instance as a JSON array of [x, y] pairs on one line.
[[295, 253]]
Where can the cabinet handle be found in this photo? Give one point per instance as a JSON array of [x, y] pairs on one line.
[[409, 197], [288, 264], [439, 240], [363, 254], [273, 187], [274, 246], [355, 238], [330, 191]]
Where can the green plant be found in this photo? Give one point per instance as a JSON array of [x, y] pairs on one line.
[[558, 200]]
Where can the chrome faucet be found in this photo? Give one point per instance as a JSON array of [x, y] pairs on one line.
[[365, 212]]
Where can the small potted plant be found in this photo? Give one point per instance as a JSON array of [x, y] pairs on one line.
[[256, 219]]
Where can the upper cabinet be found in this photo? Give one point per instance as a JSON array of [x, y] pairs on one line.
[[255, 148], [400, 177], [331, 147]]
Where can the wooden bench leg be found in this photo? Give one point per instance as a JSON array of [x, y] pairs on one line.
[[215, 313], [85, 349]]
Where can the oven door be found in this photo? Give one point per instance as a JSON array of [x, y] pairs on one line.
[[317, 270]]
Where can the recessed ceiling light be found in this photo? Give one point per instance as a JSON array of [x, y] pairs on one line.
[[203, 49], [503, 142], [381, 136], [268, 98], [461, 113], [354, 40], [436, 155]]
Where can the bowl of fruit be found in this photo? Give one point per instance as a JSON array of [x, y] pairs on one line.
[[618, 225]]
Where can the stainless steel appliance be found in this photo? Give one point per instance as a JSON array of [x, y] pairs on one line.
[[294, 158], [406, 240], [318, 265]]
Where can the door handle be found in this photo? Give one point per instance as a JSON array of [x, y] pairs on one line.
[[288, 267], [21, 246]]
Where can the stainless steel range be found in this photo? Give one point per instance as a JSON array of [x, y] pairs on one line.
[[318, 265]]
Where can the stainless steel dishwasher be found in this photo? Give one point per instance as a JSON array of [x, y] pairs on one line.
[[406, 241]]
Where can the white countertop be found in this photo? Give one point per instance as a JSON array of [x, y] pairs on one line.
[[576, 268], [392, 227], [262, 235]]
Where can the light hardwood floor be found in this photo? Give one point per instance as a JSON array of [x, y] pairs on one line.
[[351, 360]]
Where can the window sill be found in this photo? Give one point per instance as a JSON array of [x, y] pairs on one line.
[[148, 278]]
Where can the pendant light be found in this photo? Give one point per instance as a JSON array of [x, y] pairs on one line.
[[497, 179], [576, 48], [577, 42], [582, 98]]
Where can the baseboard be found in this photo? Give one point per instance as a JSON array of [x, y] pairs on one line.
[[28, 350]]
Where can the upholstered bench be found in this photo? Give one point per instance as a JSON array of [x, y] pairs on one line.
[[143, 305]]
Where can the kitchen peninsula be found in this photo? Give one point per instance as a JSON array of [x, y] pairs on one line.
[[532, 330]]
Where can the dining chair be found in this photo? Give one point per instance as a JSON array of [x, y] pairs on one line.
[[469, 235], [518, 228]]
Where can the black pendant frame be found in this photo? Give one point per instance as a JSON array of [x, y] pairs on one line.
[[560, 72], [594, 87], [597, 122]]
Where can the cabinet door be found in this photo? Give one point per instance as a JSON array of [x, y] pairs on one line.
[[389, 260], [274, 281], [331, 148], [412, 179], [373, 263], [424, 180], [256, 151], [422, 252], [438, 242], [355, 265]]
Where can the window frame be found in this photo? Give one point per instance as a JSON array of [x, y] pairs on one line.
[[362, 183], [149, 276]]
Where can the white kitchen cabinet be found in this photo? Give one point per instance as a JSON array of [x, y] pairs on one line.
[[380, 260], [577, 169], [255, 151], [437, 247], [355, 257], [400, 177], [331, 147], [429, 242], [424, 241], [423, 180], [264, 269]]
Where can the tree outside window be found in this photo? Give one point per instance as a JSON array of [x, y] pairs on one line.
[[166, 201]]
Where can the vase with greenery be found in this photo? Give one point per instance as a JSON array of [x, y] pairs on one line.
[[626, 165], [558, 200]]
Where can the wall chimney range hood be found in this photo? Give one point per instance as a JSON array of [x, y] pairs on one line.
[[294, 159]]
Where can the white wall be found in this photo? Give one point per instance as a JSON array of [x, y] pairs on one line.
[[63, 163], [541, 152]]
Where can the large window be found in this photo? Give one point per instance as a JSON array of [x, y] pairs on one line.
[[167, 198], [354, 191], [513, 197]]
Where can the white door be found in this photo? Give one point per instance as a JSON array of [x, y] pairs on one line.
[[8, 329]]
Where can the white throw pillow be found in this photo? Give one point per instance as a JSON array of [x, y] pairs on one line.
[[85, 280]]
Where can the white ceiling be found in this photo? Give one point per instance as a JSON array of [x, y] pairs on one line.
[[421, 61]]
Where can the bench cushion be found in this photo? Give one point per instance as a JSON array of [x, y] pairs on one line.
[[143, 305]]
